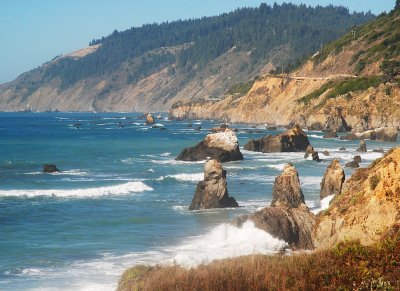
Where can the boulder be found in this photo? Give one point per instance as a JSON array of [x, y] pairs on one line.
[[253, 145], [342, 149], [357, 159], [293, 140], [149, 119], [336, 123], [47, 168], [295, 225], [330, 134], [271, 128], [310, 151], [221, 146], [286, 190], [382, 151], [388, 134], [362, 148], [212, 192], [333, 180], [288, 218], [352, 164], [326, 153], [349, 136]]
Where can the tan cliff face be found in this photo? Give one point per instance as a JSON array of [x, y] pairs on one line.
[[272, 99], [368, 205]]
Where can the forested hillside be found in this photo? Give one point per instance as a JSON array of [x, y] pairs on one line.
[[182, 56]]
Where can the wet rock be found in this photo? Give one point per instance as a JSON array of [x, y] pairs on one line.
[[362, 148], [388, 134], [342, 149], [333, 180], [326, 153], [382, 151], [48, 168], [349, 136], [288, 218], [330, 134], [310, 151], [221, 146], [271, 128], [198, 128], [352, 164], [149, 119], [212, 192], [293, 140], [357, 159]]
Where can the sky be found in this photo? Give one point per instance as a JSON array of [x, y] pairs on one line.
[[34, 31]]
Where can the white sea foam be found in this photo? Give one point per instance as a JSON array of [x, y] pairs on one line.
[[175, 162], [121, 189], [315, 136], [223, 241], [184, 177], [307, 181], [278, 167], [226, 241], [74, 172], [323, 204]]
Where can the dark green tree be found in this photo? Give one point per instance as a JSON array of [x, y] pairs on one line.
[[397, 4]]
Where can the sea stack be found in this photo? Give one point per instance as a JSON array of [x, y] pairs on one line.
[[222, 146], [288, 218], [212, 192], [333, 180], [149, 119]]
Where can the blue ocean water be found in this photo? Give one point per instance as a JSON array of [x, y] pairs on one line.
[[122, 199]]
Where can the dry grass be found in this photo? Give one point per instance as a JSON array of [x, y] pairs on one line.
[[349, 266]]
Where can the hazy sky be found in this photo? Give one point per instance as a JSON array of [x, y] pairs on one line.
[[34, 31]]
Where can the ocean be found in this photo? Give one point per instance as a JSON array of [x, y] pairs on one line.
[[121, 198]]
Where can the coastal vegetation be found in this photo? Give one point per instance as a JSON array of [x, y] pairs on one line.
[[347, 266]]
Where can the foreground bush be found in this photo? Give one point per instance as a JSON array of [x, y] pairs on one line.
[[348, 266]]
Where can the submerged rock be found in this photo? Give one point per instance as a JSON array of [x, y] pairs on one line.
[[326, 153], [330, 134], [212, 192], [221, 146], [333, 180], [293, 140], [48, 168]]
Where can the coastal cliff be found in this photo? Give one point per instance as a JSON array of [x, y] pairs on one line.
[[355, 78]]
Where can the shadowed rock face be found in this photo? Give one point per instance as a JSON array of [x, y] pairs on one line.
[[293, 140], [333, 180], [288, 218], [212, 192], [222, 146], [287, 191]]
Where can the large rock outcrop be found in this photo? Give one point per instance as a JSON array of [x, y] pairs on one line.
[[222, 146], [212, 192], [292, 140], [333, 180], [368, 205], [336, 124], [286, 191], [382, 134], [288, 218]]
